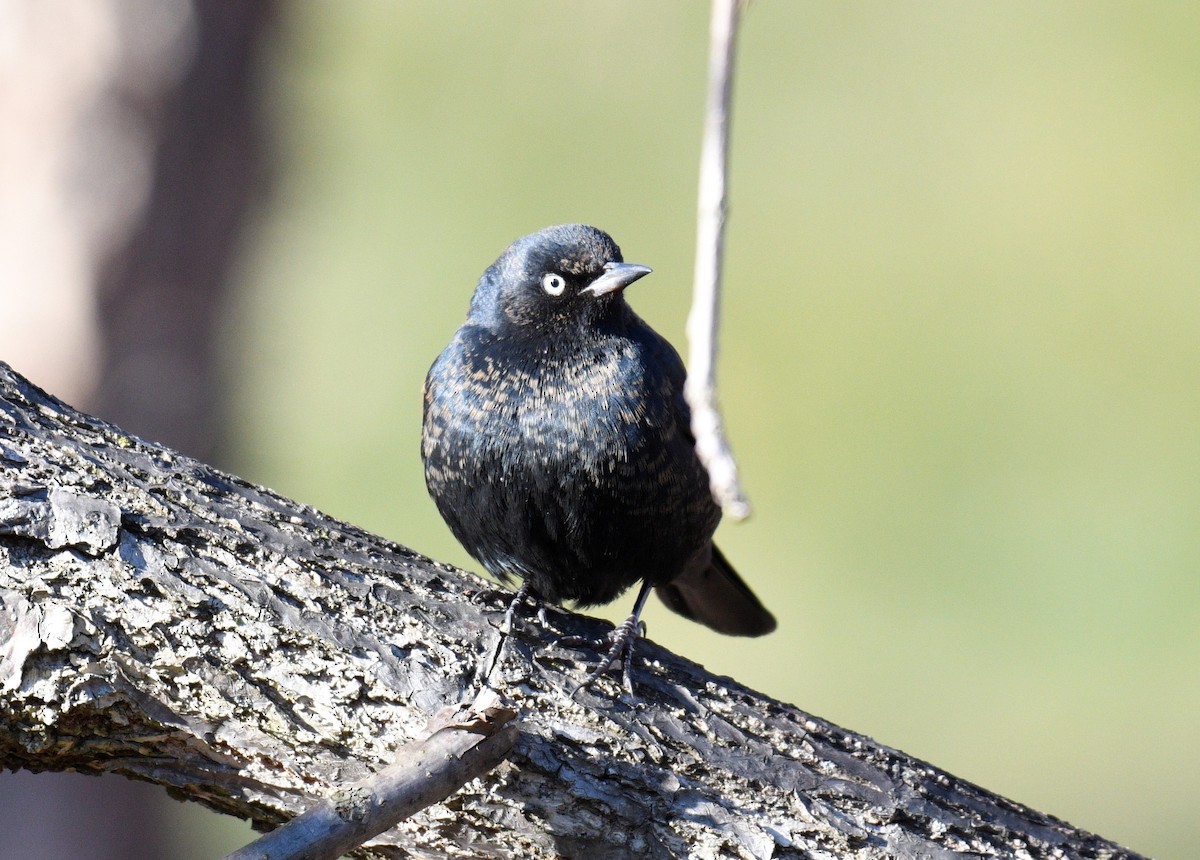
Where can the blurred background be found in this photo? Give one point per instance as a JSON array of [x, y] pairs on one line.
[[961, 343]]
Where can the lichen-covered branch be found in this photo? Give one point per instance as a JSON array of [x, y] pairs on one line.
[[165, 621]]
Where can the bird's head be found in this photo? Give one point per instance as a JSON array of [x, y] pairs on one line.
[[554, 280]]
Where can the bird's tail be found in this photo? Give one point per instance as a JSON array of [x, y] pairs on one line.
[[718, 598]]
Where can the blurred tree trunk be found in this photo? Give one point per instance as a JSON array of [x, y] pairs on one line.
[[161, 295], [131, 156]]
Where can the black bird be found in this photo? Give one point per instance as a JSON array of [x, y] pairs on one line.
[[557, 443]]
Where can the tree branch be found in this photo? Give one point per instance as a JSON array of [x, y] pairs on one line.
[[169, 622], [460, 747]]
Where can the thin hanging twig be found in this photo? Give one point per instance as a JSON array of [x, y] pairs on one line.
[[701, 388]]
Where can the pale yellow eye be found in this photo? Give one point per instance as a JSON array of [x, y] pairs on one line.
[[553, 283]]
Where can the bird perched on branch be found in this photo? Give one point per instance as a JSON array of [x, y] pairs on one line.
[[557, 443]]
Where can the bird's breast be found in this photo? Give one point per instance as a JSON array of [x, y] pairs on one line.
[[590, 411], [592, 407]]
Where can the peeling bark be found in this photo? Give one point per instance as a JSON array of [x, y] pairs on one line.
[[169, 622]]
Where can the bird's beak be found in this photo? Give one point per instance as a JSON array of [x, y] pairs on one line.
[[617, 276]]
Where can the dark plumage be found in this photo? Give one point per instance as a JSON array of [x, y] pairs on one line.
[[557, 442]]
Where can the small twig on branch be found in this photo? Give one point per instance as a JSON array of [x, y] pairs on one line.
[[701, 388], [459, 747]]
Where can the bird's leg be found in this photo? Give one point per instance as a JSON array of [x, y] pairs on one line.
[[525, 594], [620, 642]]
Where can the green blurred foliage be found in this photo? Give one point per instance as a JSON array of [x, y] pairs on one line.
[[960, 354]]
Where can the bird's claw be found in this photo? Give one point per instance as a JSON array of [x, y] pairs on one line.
[[487, 594], [619, 644]]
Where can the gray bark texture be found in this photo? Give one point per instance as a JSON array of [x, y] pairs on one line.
[[165, 621]]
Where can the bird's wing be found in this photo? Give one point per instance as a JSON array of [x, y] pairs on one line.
[[664, 357]]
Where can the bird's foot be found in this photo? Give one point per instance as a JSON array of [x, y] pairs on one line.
[[525, 594], [619, 644], [487, 595]]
